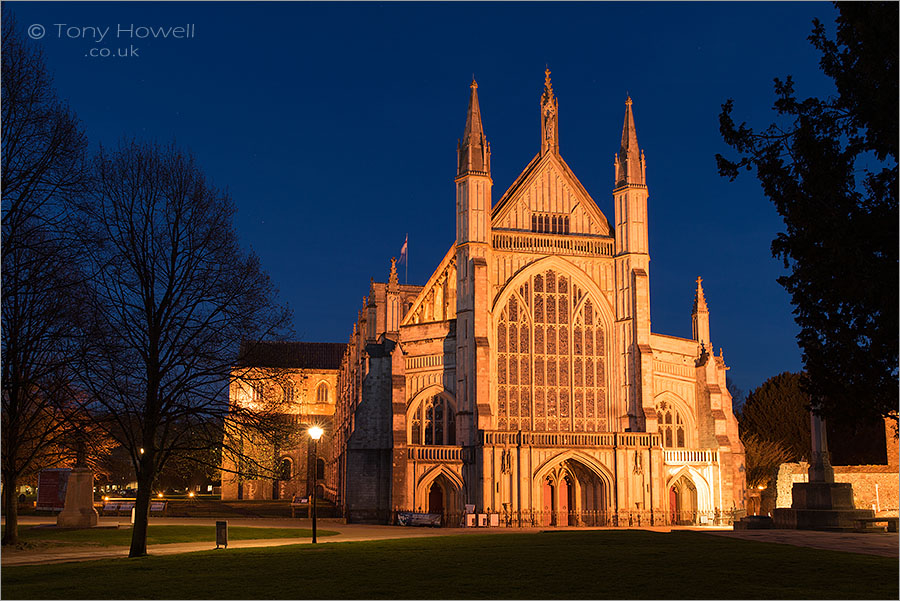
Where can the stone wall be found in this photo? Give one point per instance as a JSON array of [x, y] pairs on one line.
[[874, 486], [368, 485], [890, 436], [368, 472]]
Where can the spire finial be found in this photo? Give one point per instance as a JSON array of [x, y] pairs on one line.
[[393, 280], [549, 117], [473, 152], [699, 297], [629, 161]]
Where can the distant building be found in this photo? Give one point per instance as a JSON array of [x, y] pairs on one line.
[[523, 378], [305, 390]]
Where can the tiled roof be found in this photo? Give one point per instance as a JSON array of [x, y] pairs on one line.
[[307, 355]]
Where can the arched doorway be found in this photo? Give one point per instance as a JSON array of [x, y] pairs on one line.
[[572, 494], [565, 516], [439, 491], [436, 498], [548, 503], [683, 501]]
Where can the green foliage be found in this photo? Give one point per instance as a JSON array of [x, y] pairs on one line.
[[830, 168], [778, 412], [472, 566]]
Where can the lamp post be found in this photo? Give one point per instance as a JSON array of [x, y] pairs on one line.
[[315, 433]]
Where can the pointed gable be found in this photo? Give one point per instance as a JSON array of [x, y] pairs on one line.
[[548, 186], [437, 299]]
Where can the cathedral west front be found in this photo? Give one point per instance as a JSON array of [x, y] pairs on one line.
[[522, 380]]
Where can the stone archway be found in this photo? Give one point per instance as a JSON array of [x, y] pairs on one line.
[[440, 491], [572, 491], [683, 501]]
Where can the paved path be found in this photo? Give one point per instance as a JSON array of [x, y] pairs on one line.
[[884, 544], [347, 533], [870, 543]]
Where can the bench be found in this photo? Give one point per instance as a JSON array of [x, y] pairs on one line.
[[862, 523]]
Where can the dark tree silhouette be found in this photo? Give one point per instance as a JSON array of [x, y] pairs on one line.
[[830, 168], [777, 411], [43, 168], [174, 297], [763, 457]]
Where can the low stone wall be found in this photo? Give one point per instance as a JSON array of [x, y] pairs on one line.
[[874, 486]]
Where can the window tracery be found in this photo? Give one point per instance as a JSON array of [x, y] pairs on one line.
[[551, 345], [671, 426], [433, 422]]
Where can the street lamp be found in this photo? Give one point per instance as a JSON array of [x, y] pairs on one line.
[[315, 433]]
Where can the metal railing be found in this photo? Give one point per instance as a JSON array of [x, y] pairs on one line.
[[529, 518]]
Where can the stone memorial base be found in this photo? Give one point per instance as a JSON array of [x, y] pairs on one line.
[[754, 522], [821, 506], [79, 509]]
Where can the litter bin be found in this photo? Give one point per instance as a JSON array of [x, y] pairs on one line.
[[222, 534]]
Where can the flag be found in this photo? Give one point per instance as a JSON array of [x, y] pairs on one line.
[[403, 250]]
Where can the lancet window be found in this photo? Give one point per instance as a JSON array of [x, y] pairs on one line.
[[671, 426], [549, 223], [551, 359], [322, 393], [433, 422]]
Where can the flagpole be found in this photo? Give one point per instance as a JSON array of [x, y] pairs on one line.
[[406, 275]]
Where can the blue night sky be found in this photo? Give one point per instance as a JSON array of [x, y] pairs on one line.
[[334, 128]]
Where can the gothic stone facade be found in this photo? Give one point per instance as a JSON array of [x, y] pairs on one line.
[[523, 378]]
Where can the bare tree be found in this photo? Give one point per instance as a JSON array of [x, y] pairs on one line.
[[174, 297], [43, 167]]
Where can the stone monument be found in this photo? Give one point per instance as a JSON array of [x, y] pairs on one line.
[[79, 511], [821, 503]]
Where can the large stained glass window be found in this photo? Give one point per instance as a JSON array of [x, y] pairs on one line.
[[551, 359]]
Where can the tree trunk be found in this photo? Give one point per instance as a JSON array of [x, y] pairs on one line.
[[11, 509], [141, 517]]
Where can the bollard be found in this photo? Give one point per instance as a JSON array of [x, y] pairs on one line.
[[222, 534]]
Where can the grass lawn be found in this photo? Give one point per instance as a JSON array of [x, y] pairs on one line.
[[156, 535], [629, 564]]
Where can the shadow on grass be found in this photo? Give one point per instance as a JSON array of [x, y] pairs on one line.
[[39, 536], [570, 565]]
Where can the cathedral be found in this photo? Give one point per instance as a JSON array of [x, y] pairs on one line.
[[522, 381]]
